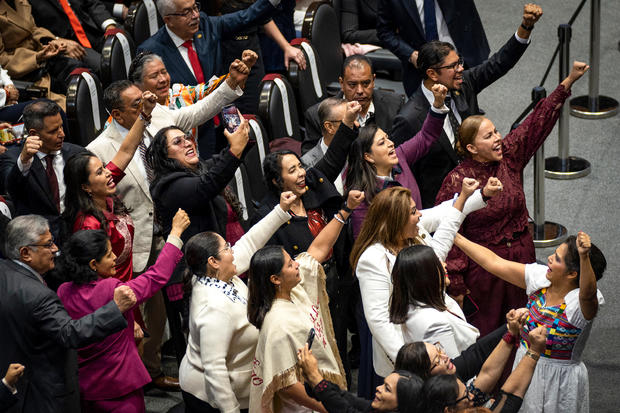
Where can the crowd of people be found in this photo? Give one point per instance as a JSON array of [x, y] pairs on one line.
[[394, 240]]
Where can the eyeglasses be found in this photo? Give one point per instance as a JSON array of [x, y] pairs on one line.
[[49, 245], [452, 66], [441, 357], [187, 12], [227, 247], [181, 139]]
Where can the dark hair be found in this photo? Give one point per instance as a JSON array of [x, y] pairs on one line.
[[76, 199], [35, 112], [357, 60], [572, 260], [408, 392], [432, 54], [112, 94], [77, 252], [198, 250], [417, 276], [361, 174], [272, 170], [440, 392], [136, 68], [162, 165], [326, 107], [266, 262], [413, 357]]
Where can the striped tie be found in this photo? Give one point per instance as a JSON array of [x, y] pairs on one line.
[[149, 171]]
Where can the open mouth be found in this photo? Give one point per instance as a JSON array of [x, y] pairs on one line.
[[190, 153], [497, 148], [301, 184], [111, 184]]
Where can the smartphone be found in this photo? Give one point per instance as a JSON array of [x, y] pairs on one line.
[[231, 118], [310, 338]]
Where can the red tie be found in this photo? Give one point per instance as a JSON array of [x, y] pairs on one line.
[[51, 178], [193, 59], [75, 24]]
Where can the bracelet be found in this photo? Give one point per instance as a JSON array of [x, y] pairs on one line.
[[346, 209], [146, 118], [509, 338], [528, 28], [338, 218], [532, 355]]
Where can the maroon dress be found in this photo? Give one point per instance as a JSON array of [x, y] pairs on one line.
[[503, 225]]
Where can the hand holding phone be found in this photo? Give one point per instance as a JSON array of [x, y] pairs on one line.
[[231, 118]]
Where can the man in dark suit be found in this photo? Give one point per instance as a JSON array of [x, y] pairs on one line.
[[33, 171], [403, 26], [38, 330], [93, 18], [440, 64], [357, 83]]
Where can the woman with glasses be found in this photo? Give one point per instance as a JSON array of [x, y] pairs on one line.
[[563, 298], [446, 393], [215, 374], [374, 163], [503, 225], [111, 374]]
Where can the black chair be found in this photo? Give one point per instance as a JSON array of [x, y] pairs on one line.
[[143, 20], [253, 159], [116, 55], [277, 108], [307, 84], [322, 29], [85, 112], [240, 185]]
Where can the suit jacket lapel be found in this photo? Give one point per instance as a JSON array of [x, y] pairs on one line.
[[412, 9], [40, 176], [23, 271], [132, 168], [175, 63]]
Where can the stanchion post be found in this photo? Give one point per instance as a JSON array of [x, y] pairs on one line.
[[564, 166], [594, 106], [544, 233]]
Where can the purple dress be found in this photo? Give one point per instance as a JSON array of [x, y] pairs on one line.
[[112, 367], [503, 225], [408, 153]]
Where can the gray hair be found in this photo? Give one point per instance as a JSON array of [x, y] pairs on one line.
[[326, 108], [21, 231], [165, 7], [136, 70]]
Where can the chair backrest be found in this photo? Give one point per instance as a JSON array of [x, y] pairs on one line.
[[143, 20], [321, 27], [241, 187], [253, 159], [277, 108], [307, 84], [85, 112], [116, 55]]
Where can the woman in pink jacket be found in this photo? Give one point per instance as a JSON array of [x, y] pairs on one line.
[[110, 371]]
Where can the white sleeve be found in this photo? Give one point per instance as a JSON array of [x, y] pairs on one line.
[[535, 277], [573, 308], [24, 168], [2, 97], [445, 220], [206, 108], [257, 237], [214, 350], [375, 287]]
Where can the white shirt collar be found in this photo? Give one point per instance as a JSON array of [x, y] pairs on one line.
[[323, 146], [42, 155], [123, 131], [175, 39], [371, 111], [29, 268]]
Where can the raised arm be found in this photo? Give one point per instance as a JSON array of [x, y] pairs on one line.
[[132, 140], [509, 271], [520, 378], [323, 243], [588, 300]]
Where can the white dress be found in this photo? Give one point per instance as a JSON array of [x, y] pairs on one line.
[[558, 385]]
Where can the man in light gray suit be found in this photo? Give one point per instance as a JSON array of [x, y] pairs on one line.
[[331, 112]]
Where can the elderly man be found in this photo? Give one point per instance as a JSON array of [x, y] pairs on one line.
[[123, 101], [357, 83], [38, 330], [33, 171], [440, 63]]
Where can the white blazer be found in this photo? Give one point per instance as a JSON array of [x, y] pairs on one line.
[[448, 327], [374, 272], [133, 189]]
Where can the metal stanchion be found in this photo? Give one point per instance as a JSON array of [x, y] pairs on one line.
[[564, 166], [594, 106]]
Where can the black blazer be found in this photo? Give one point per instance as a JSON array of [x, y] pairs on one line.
[[399, 29], [91, 13], [358, 21], [31, 193], [387, 105], [38, 332], [431, 170], [7, 399]]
